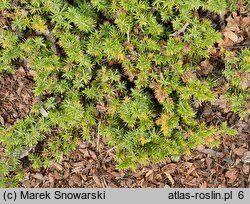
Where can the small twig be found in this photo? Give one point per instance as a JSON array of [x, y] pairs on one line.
[[98, 137], [232, 47], [104, 182], [182, 30], [220, 165], [128, 37], [236, 46], [112, 149], [212, 153], [125, 178]]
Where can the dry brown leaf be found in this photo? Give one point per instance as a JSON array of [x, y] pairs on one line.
[[170, 178], [226, 42], [58, 166], [232, 36], [191, 169], [66, 174], [169, 168], [150, 175], [222, 89], [200, 147], [26, 184], [97, 180], [51, 178], [154, 85], [160, 95], [85, 153], [207, 110], [188, 76], [245, 22], [131, 73], [232, 175], [56, 175], [78, 164], [205, 68], [3, 23], [244, 78], [209, 162], [38, 176], [236, 30], [128, 45], [101, 107], [192, 183], [76, 180], [239, 151], [232, 23], [187, 48], [92, 154], [20, 71], [71, 183], [204, 184], [32, 73], [223, 103]]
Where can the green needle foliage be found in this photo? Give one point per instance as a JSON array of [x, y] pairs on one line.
[[116, 67]]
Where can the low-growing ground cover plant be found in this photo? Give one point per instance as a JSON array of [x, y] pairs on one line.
[[127, 70]]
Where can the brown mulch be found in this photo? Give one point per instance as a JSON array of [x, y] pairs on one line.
[[16, 96], [86, 167]]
